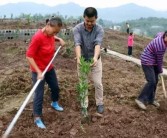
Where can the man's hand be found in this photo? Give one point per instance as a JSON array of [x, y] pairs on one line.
[[96, 55], [78, 61], [94, 61], [78, 54]]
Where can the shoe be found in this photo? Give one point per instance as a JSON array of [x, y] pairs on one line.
[[140, 104], [100, 109], [105, 50], [155, 103], [39, 123], [56, 106]]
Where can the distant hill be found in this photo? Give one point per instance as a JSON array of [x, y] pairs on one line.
[[116, 14], [129, 12]]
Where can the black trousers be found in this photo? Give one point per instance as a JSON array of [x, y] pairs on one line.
[[129, 50], [51, 79], [147, 94], [127, 30]]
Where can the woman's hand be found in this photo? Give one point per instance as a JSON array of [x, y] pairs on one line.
[[39, 75], [60, 40]]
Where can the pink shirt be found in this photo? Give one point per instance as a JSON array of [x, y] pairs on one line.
[[130, 40]]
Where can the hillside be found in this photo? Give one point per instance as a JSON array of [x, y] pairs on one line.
[[116, 14], [146, 26], [122, 82]]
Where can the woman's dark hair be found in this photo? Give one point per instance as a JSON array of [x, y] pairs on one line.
[[90, 12], [130, 33], [165, 34], [54, 21], [47, 20]]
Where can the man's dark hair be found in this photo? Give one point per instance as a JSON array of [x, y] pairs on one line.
[[54, 21], [90, 12]]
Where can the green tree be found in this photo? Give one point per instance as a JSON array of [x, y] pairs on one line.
[[101, 22], [28, 18], [11, 16]]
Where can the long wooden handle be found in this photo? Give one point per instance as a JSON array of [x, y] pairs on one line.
[[163, 86]]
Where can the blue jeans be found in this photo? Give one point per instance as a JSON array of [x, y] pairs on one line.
[[147, 94], [51, 79]]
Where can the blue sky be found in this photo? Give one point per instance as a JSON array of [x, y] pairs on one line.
[[154, 4]]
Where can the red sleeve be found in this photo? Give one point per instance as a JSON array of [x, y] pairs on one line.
[[33, 47]]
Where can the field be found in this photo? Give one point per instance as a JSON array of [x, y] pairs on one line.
[[122, 82]]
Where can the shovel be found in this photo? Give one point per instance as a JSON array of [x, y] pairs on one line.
[[11, 125], [163, 86]]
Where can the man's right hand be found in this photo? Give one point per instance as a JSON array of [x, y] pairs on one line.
[[78, 61], [78, 54]]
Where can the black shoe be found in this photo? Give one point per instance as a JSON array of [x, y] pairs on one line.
[[105, 50], [100, 109]]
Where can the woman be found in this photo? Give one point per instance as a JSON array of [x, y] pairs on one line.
[[40, 52], [151, 60], [130, 43]]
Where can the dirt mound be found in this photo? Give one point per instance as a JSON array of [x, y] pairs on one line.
[[122, 118], [18, 82]]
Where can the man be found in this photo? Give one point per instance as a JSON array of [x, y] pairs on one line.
[[88, 38], [127, 28]]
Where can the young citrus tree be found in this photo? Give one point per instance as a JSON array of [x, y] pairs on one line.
[[82, 87]]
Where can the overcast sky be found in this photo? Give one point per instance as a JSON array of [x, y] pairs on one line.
[[154, 4]]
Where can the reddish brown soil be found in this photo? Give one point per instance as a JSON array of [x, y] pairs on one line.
[[122, 82]]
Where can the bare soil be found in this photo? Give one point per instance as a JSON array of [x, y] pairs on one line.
[[122, 82]]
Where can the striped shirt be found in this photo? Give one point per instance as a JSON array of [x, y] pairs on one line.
[[154, 52], [159, 34]]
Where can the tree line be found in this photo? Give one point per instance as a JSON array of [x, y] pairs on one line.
[[145, 26]]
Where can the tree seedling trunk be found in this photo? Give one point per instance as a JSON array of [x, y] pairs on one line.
[[82, 87]]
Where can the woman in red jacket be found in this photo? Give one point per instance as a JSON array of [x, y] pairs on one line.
[[39, 53]]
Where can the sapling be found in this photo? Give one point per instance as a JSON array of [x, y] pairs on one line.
[[82, 87], [68, 49]]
